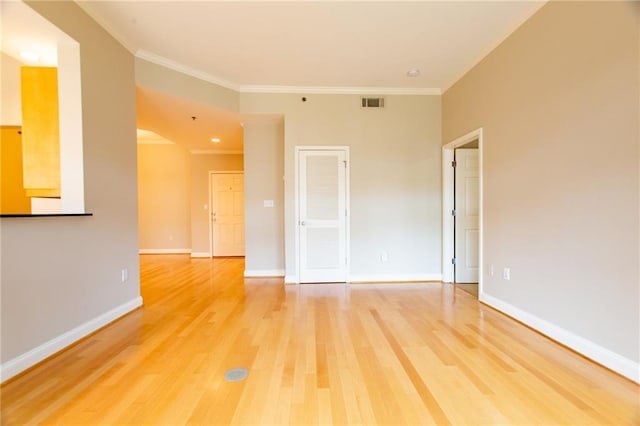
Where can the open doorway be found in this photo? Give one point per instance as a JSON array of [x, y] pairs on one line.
[[462, 212], [183, 141]]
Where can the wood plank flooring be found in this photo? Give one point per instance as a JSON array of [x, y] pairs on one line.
[[316, 354]]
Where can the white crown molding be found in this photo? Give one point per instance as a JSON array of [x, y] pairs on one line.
[[176, 66], [341, 90], [214, 152], [184, 69], [85, 6]]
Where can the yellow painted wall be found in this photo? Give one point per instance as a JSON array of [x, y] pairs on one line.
[[41, 131], [13, 199], [163, 197]]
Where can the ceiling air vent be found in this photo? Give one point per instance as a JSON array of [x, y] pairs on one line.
[[375, 103]]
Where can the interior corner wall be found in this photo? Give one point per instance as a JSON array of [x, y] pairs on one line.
[[395, 184], [175, 83], [558, 104], [201, 165], [61, 276], [164, 194], [263, 181]]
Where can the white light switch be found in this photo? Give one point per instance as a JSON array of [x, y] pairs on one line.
[[268, 203], [506, 273]]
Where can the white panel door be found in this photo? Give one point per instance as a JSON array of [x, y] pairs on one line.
[[467, 199], [227, 214], [322, 216]]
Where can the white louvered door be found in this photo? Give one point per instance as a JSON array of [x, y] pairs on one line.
[[322, 216]]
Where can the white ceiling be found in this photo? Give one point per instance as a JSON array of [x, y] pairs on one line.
[[363, 47], [286, 46], [23, 30], [172, 118]]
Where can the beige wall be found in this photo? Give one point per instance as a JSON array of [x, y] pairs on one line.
[[59, 273], [164, 197], [11, 106], [395, 171], [175, 83], [395, 176], [263, 180], [558, 102], [201, 165]]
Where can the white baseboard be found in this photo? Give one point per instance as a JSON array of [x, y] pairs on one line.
[[380, 278], [28, 359], [264, 273], [165, 251], [201, 254], [354, 278], [589, 349]]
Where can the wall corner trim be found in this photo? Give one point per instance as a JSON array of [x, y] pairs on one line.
[[29, 359], [264, 273], [587, 348]]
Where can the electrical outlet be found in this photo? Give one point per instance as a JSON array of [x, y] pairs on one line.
[[506, 274], [490, 270], [384, 257], [124, 275]]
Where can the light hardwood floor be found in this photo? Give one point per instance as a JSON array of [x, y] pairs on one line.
[[469, 288], [316, 354]]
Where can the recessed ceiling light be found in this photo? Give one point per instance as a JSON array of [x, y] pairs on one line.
[[413, 73], [29, 56], [215, 140]]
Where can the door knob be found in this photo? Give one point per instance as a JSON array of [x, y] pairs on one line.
[[303, 223]]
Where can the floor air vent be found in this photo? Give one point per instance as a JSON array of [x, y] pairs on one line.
[[375, 103]]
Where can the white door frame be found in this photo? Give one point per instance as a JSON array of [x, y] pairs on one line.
[[296, 196], [448, 178], [211, 173]]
